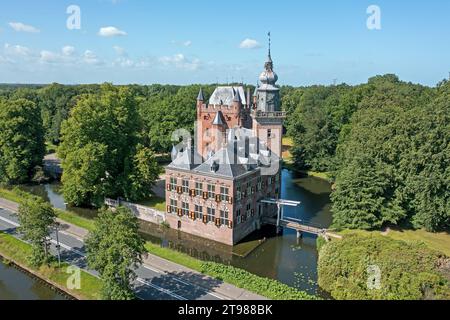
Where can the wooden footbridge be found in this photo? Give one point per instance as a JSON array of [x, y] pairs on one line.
[[298, 225]]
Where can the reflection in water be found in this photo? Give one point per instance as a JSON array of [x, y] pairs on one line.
[[16, 285], [284, 257]]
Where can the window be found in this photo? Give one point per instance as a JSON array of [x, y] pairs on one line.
[[259, 185], [269, 181], [198, 212], [223, 218], [249, 210], [238, 216], [238, 192], [211, 214], [185, 208], [211, 191], [277, 178], [173, 183], [224, 193], [173, 206], [198, 188], [249, 189], [185, 186], [269, 133]]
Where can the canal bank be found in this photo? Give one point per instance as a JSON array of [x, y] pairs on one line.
[[15, 252], [18, 284], [284, 258]]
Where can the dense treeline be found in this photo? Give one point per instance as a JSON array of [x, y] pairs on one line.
[[385, 143], [386, 146]]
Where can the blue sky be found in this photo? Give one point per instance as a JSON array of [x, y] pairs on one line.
[[207, 41]]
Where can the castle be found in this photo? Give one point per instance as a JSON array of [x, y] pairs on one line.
[[214, 190]]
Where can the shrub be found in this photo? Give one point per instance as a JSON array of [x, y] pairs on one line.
[[408, 271], [269, 288]]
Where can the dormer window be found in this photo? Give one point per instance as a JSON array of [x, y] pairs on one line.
[[214, 167]]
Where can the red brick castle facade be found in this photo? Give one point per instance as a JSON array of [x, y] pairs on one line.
[[213, 190]]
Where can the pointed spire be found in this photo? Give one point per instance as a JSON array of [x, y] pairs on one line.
[[270, 56], [174, 153], [200, 95], [237, 97], [218, 120]]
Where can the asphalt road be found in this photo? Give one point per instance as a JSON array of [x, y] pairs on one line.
[[151, 284]]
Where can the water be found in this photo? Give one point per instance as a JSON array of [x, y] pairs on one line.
[[17, 285], [284, 258]]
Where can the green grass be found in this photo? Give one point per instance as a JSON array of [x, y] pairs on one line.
[[269, 288], [11, 195], [154, 202], [174, 256], [75, 219], [16, 195], [436, 241], [18, 252]]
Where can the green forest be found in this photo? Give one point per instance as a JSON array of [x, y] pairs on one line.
[[384, 143]]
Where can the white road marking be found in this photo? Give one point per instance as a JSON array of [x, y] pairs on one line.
[[10, 222], [170, 293], [71, 235], [190, 284], [150, 268], [143, 265]]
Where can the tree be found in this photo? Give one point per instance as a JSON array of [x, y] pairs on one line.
[[99, 147], [393, 168], [22, 145], [36, 217], [115, 249], [143, 174]]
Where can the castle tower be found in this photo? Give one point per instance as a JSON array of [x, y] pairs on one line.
[[224, 111], [267, 116]]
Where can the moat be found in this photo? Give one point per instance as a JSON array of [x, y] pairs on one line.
[[283, 257]]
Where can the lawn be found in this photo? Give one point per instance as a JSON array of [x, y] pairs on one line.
[[10, 195], [436, 241], [75, 219], [155, 203], [17, 251], [174, 256]]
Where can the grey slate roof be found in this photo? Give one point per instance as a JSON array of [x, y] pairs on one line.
[[218, 119], [186, 160], [225, 95], [200, 96], [237, 97], [228, 165]]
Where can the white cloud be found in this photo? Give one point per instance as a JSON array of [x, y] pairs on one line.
[[181, 62], [17, 50], [187, 43], [68, 50], [21, 27], [120, 51], [111, 32], [250, 44], [91, 58], [50, 57]]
